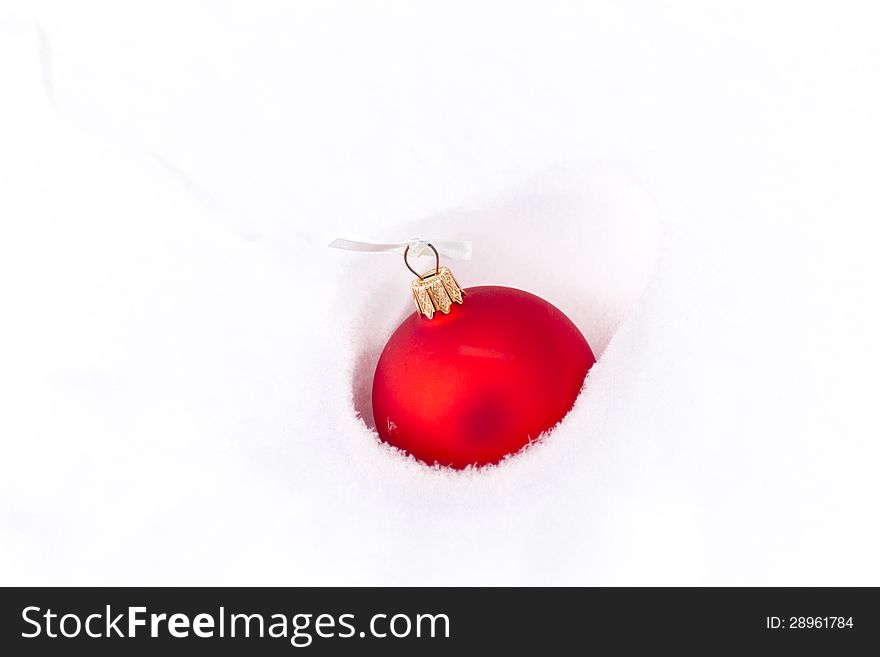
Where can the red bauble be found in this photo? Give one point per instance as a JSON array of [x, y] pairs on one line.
[[473, 386]]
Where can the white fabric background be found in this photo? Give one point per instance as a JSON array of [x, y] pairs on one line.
[[182, 361]]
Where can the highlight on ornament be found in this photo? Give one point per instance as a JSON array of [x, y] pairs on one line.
[[474, 374]]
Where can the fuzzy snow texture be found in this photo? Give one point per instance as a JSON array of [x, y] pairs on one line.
[[185, 368]]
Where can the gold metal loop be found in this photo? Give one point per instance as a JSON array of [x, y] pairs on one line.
[[436, 261]]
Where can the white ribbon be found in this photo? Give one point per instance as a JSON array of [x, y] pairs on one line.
[[454, 249]]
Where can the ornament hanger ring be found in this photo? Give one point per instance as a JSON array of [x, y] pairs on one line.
[[436, 261]]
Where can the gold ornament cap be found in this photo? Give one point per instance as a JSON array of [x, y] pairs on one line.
[[436, 290]]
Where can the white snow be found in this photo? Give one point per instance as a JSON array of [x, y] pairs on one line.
[[184, 366]]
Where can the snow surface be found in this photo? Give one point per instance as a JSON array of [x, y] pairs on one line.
[[184, 366]]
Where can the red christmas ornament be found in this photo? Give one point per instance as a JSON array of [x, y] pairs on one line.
[[475, 382]]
